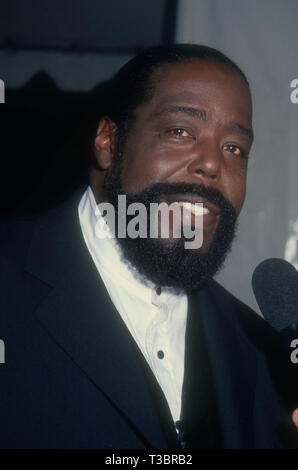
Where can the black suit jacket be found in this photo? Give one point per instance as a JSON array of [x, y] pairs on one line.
[[74, 378]]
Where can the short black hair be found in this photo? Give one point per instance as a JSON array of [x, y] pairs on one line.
[[131, 86]]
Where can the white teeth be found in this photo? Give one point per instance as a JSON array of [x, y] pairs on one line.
[[194, 208]]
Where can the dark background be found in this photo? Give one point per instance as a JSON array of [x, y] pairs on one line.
[[52, 56]]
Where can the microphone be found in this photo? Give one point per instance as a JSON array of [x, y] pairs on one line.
[[275, 285]]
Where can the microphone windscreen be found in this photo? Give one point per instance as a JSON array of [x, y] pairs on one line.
[[275, 285]]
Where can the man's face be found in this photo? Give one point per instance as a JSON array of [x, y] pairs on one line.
[[189, 142]]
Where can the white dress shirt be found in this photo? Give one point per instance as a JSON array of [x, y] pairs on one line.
[[155, 317]]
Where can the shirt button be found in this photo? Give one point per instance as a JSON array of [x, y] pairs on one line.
[[160, 354], [178, 425]]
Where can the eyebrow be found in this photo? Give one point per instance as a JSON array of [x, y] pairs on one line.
[[198, 113], [241, 129], [201, 114]]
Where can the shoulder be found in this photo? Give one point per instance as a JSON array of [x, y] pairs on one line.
[[257, 337], [246, 320], [226, 298], [15, 236]]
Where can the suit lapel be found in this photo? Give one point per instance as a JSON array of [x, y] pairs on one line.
[[225, 376], [83, 321], [199, 417]]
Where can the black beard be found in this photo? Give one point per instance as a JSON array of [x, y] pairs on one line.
[[169, 264]]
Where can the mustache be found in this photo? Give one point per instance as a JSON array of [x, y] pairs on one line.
[[154, 193]]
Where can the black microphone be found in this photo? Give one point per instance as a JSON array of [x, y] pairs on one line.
[[275, 285]]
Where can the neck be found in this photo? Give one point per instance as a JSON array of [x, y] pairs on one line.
[[96, 181]]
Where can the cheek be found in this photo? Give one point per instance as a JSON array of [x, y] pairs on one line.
[[233, 182], [236, 191], [241, 199], [135, 173], [141, 168]]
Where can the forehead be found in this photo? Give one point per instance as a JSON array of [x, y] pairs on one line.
[[209, 85]]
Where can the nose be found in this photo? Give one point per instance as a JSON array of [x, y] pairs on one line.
[[206, 160]]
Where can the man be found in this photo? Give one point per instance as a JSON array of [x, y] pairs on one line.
[[128, 342]]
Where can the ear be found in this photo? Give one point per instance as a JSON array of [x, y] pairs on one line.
[[104, 143]]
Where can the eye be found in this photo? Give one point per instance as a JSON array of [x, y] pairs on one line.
[[234, 149], [178, 132]]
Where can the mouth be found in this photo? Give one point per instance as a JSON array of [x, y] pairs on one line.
[[197, 212], [194, 208], [198, 206]]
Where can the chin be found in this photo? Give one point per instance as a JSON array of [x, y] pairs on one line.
[[174, 242]]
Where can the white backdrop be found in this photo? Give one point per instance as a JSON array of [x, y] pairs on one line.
[[261, 36]]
